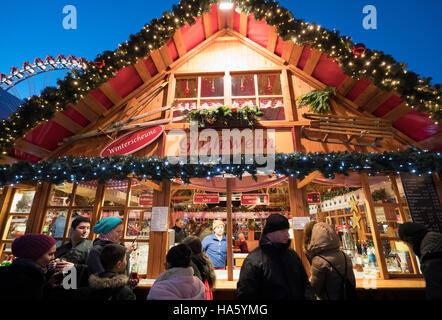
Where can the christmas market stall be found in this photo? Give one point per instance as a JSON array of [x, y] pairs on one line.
[[212, 113]]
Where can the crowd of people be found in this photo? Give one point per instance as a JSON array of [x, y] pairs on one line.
[[272, 271]]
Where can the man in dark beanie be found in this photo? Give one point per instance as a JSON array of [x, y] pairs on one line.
[[274, 271], [25, 278], [427, 245]]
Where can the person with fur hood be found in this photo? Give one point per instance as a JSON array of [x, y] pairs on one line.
[[329, 265], [112, 283], [427, 245], [178, 281]]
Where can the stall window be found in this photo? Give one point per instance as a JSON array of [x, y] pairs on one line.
[[390, 209], [131, 200], [198, 92], [67, 201], [138, 220], [16, 219], [208, 91], [263, 90]]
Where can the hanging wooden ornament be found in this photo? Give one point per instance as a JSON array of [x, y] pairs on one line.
[[242, 86], [269, 86], [212, 88], [187, 90]]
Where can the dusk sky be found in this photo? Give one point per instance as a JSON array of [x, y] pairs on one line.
[[408, 30]]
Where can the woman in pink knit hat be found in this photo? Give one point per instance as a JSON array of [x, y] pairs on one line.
[[25, 278]]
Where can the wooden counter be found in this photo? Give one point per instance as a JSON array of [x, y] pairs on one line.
[[360, 284], [368, 289]]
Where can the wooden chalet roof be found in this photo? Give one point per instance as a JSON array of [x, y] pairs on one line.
[[311, 65]]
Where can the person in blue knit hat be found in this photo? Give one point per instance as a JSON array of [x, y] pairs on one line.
[[110, 230]]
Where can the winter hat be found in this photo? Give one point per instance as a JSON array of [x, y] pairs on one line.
[[105, 225], [276, 222], [32, 246]]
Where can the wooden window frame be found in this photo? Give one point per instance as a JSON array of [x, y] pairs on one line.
[[6, 221], [227, 76]]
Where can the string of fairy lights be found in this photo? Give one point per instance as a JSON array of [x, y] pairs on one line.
[[385, 72], [298, 165]]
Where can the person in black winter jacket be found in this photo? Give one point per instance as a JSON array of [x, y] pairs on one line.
[[25, 278], [110, 231], [76, 251], [273, 271], [112, 283], [427, 245]]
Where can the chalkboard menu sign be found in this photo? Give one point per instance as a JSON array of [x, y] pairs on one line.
[[422, 199]]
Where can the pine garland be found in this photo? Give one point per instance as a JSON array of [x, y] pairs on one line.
[[225, 116], [335, 193], [385, 72], [299, 165]]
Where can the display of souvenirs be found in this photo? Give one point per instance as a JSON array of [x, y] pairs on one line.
[[17, 227], [22, 201]]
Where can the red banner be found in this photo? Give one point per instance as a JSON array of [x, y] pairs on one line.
[[201, 198], [255, 199], [314, 197], [132, 141]]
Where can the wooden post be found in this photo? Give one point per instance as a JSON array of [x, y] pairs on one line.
[[397, 196], [5, 207], [285, 85], [69, 215], [371, 214], [229, 230], [127, 204], [38, 209], [5, 204], [298, 208], [158, 241], [98, 205]]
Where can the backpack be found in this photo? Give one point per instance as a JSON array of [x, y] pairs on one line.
[[347, 290]]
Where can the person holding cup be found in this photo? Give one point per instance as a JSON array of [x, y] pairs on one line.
[[27, 278]]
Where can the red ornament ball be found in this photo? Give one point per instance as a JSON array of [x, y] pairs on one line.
[[99, 63], [359, 49]]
